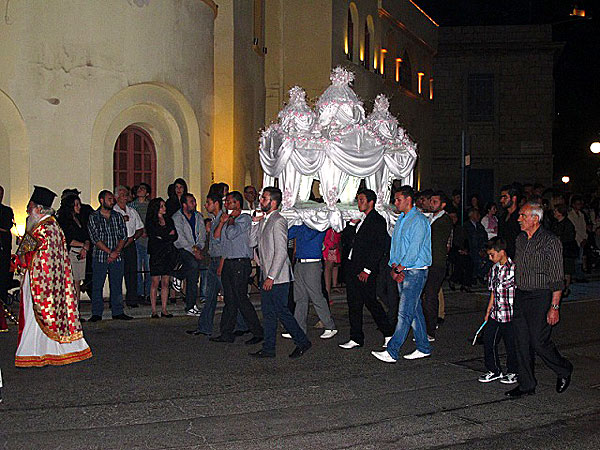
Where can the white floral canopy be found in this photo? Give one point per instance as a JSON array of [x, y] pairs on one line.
[[337, 145]]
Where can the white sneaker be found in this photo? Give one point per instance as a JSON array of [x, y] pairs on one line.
[[328, 334], [416, 355], [286, 335], [490, 376], [509, 378], [177, 284], [196, 309], [350, 344], [386, 340], [429, 338], [192, 312], [383, 356]]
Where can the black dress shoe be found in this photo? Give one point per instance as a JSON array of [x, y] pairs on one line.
[[563, 383], [196, 332], [222, 339], [95, 319], [241, 332], [122, 316], [517, 392], [298, 351], [254, 340], [168, 315], [262, 354]]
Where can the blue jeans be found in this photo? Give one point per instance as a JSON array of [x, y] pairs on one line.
[[274, 306], [143, 263], [115, 280], [203, 284], [410, 313], [191, 273], [213, 286]]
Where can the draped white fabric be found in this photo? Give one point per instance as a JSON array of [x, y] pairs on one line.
[[337, 145]]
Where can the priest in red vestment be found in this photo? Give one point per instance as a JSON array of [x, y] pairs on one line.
[[49, 328]]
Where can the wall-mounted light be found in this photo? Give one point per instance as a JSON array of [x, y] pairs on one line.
[[362, 54], [346, 45], [398, 61], [375, 62], [565, 179], [431, 89], [595, 147], [382, 64], [255, 41], [421, 75]]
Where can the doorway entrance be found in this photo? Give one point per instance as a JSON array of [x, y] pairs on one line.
[[134, 159]]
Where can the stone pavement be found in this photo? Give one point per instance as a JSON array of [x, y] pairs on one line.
[[151, 386]]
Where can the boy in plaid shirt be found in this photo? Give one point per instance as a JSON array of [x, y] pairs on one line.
[[499, 313]]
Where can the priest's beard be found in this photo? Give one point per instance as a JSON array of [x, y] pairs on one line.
[[31, 221]]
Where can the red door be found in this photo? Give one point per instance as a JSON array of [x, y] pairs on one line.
[[134, 159]]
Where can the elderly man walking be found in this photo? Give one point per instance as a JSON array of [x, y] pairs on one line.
[[539, 281]]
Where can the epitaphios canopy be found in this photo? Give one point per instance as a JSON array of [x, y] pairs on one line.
[[336, 144]]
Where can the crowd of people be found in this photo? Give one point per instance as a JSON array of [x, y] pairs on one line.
[[526, 251]]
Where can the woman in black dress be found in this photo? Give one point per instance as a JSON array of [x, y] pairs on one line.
[[77, 238], [161, 235]]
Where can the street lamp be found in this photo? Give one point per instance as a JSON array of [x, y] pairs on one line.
[[565, 179], [595, 147]]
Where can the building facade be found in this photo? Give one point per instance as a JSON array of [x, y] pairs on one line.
[[496, 85], [98, 93], [389, 45]]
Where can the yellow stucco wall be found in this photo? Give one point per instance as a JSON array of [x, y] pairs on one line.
[[68, 67]]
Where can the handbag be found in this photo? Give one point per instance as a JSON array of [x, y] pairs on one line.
[[173, 258]]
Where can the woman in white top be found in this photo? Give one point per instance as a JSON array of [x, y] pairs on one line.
[[489, 221]]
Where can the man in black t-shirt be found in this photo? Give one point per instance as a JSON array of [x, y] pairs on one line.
[[6, 223], [508, 225]]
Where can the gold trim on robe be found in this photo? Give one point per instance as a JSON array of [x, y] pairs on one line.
[[52, 290], [52, 360]]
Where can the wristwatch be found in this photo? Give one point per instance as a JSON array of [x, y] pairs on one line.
[[555, 307]]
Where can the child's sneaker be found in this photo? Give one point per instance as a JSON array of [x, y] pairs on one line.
[[490, 376], [509, 378]]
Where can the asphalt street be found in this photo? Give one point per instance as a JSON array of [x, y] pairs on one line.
[[150, 385]]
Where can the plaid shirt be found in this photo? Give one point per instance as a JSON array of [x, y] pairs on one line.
[[501, 283], [108, 231]]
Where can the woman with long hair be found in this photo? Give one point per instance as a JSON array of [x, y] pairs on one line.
[[76, 236], [180, 187], [161, 235], [489, 220]]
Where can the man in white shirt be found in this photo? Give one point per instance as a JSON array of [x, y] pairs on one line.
[[578, 218], [135, 229]]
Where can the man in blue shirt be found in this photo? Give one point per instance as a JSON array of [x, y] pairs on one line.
[[233, 232], [410, 258], [307, 278]]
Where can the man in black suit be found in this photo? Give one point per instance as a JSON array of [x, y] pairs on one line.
[[368, 241], [6, 223]]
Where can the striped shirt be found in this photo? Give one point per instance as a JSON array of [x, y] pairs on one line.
[[501, 283], [110, 232], [539, 262]]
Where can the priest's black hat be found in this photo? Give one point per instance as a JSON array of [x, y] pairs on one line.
[[42, 196]]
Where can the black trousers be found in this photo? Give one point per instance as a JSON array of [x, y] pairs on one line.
[[235, 288], [129, 255], [364, 294], [431, 301], [492, 334], [4, 273], [387, 290], [532, 337]]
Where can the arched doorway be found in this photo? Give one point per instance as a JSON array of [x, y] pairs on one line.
[[134, 159]]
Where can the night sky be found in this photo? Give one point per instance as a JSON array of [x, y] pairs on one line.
[[577, 71]]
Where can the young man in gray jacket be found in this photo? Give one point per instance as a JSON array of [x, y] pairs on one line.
[[269, 233]]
